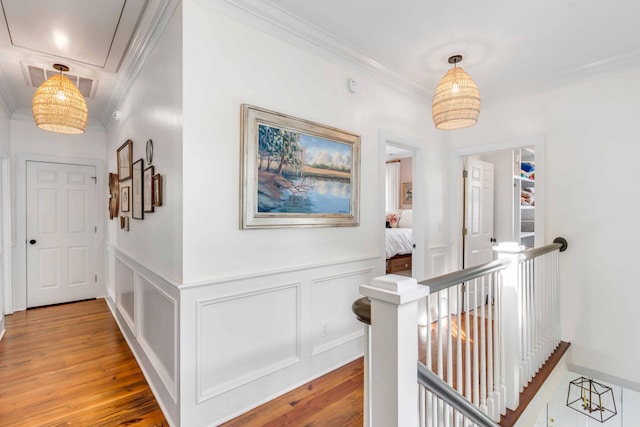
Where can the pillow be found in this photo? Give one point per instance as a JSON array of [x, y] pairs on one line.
[[406, 219], [393, 219]]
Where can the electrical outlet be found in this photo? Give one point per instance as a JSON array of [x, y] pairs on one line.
[[324, 328]]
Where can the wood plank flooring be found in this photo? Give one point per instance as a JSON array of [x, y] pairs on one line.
[[69, 365], [335, 399]]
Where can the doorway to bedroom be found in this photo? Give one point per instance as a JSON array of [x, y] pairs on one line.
[[398, 197]]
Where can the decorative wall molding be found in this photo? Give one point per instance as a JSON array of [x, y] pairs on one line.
[[168, 376], [205, 393], [281, 24], [332, 285], [250, 276]]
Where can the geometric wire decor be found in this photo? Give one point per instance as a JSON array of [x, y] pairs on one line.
[[591, 398]]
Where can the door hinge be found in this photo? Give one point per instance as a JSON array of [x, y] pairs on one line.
[[95, 229], [465, 174], [95, 278], [464, 231]]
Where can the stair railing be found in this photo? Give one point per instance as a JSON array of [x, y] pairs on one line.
[[489, 329]]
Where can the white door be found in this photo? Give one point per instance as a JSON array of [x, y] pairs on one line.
[[61, 233], [478, 213]]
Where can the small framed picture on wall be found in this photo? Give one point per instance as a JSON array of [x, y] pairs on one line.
[[157, 190], [137, 191], [124, 199], [148, 189]]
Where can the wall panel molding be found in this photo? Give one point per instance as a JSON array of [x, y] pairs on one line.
[[254, 324]]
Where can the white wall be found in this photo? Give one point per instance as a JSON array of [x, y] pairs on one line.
[[144, 264], [29, 142], [591, 152], [254, 301], [5, 146], [152, 109]]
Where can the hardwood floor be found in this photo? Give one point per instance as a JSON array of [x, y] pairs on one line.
[[69, 365], [335, 399]]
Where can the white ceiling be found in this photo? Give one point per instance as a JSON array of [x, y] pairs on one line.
[[100, 40], [510, 47]]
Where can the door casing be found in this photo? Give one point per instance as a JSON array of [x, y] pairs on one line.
[[19, 294]]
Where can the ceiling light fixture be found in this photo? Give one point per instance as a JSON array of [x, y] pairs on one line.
[[58, 106], [456, 103]]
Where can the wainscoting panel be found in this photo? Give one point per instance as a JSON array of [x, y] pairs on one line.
[[157, 330], [331, 325], [147, 309], [125, 297], [242, 338]]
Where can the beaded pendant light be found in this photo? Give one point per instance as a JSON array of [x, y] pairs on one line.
[[58, 106], [456, 103]]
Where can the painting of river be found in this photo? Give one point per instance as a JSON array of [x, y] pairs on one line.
[[300, 173]]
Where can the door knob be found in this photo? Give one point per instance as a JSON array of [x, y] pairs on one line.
[[493, 240], [32, 241]]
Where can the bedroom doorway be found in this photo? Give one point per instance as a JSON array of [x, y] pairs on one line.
[[410, 193], [399, 241]]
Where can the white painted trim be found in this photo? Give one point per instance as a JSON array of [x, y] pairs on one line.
[[141, 359], [204, 395], [456, 190], [315, 351], [612, 379], [144, 40], [19, 301], [342, 275], [169, 379], [278, 22], [420, 202], [6, 235], [243, 277], [131, 323]]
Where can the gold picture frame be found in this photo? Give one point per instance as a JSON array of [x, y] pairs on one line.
[[124, 158]]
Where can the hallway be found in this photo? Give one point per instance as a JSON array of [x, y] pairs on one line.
[[70, 365]]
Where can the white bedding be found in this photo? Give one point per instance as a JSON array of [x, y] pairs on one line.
[[398, 241]]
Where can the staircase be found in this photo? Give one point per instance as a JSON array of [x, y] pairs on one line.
[[489, 332]]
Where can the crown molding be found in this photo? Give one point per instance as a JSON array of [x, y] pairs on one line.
[[148, 33], [275, 21], [7, 100]]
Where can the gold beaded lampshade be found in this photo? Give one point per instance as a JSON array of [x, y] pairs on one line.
[[456, 103], [58, 106]]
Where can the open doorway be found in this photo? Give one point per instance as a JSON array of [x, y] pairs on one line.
[[414, 151], [399, 241], [518, 197]]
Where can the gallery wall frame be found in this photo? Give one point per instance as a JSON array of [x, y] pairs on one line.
[[124, 199], [147, 193], [157, 190], [124, 158], [114, 183], [137, 202], [297, 173]]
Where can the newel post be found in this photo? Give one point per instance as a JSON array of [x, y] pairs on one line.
[[394, 349], [511, 322]]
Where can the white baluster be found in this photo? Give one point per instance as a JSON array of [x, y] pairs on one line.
[[476, 372], [483, 347]]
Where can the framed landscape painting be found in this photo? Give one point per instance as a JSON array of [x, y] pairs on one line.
[[297, 173]]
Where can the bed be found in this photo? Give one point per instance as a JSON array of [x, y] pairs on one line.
[[399, 241]]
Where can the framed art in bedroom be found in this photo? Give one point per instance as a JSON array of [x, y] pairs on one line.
[[407, 193], [297, 173]]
